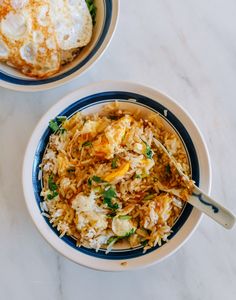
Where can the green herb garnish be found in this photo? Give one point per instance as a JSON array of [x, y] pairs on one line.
[[112, 239], [108, 196], [89, 182], [114, 162], [61, 119], [110, 193], [54, 125], [148, 151], [51, 184], [53, 195], [109, 204], [144, 243], [132, 231], [87, 144], [52, 187], [92, 9], [137, 176], [97, 179], [50, 196]]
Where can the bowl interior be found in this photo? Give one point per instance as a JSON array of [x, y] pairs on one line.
[[146, 107], [101, 27]]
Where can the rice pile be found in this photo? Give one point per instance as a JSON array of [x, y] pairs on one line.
[[102, 177]]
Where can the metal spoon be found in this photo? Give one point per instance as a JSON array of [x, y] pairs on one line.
[[198, 198]]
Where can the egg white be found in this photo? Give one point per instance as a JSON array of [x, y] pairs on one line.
[[35, 33], [72, 22]]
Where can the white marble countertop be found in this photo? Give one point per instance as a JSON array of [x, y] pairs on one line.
[[188, 50]]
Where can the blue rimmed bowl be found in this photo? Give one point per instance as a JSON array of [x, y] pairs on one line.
[[106, 20], [131, 96]]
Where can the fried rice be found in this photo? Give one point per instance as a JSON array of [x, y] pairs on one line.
[[102, 176]]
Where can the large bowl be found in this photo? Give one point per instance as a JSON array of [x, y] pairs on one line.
[[106, 20], [131, 96]]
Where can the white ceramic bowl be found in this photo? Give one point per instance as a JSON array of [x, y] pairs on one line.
[[106, 20], [90, 99]]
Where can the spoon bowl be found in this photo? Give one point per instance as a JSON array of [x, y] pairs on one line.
[[198, 198]]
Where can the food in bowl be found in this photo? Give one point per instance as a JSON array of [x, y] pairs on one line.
[[142, 102], [102, 176], [38, 37]]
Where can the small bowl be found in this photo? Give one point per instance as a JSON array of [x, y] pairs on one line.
[[106, 20], [131, 96]]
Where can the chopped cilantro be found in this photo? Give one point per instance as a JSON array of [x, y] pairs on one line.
[[144, 243], [108, 195], [137, 176], [89, 182], [97, 179], [52, 187], [132, 231], [108, 202], [112, 239], [51, 184], [62, 130], [54, 125], [114, 162], [52, 195], [148, 151], [61, 119], [92, 9]]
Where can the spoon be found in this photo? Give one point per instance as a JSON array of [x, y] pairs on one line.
[[198, 198]]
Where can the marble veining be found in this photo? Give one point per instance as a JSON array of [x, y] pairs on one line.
[[186, 49]]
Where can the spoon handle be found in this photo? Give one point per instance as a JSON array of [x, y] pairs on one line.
[[211, 208]]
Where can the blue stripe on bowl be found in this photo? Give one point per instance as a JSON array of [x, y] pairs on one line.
[[121, 96], [108, 16]]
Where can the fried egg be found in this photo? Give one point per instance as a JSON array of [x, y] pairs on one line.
[[36, 34], [72, 22]]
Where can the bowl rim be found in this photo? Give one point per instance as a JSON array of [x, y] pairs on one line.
[[115, 4], [94, 262]]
